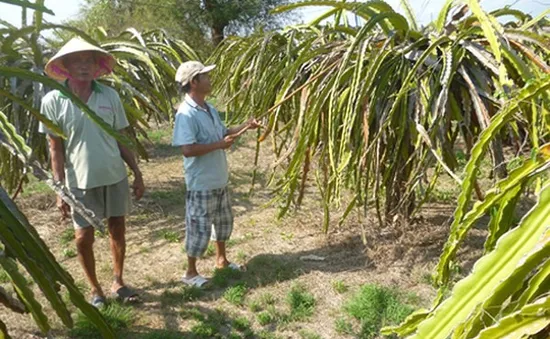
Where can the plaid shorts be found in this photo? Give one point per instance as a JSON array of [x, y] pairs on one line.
[[208, 217]]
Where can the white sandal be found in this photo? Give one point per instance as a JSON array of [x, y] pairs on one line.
[[197, 281]]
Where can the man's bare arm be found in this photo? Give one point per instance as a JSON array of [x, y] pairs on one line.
[[129, 158], [57, 153], [196, 150]]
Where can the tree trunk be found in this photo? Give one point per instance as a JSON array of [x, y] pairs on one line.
[[217, 33], [217, 25]]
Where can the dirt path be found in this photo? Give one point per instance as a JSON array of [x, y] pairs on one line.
[[272, 250]]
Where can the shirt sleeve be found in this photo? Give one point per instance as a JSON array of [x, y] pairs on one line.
[[185, 131], [121, 121], [47, 109]]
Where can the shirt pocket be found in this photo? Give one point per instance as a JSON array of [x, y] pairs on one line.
[[107, 114]]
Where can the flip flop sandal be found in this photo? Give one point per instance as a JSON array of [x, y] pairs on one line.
[[240, 268], [196, 281], [98, 302], [126, 295]]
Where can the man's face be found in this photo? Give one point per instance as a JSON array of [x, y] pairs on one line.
[[202, 84], [82, 66]]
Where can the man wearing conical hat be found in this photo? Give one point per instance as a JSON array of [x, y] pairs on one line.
[[90, 162]]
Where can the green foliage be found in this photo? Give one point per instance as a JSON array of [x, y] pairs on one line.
[[339, 286], [210, 250], [376, 306], [67, 236], [301, 302], [241, 324], [209, 326], [69, 252], [384, 104], [265, 318], [119, 317], [162, 334], [343, 326], [4, 276], [181, 295], [235, 294], [223, 277], [305, 334], [170, 236]]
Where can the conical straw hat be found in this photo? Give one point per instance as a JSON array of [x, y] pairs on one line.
[[56, 70]]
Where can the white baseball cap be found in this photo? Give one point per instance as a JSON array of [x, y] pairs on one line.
[[189, 69]]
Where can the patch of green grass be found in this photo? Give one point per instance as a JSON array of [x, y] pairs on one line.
[[67, 236], [265, 318], [69, 253], [162, 334], [375, 307], [461, 158], [170, 236], [241, 256], [209, 326], [116, 315], [192, 313], [35, 186], [4, 277], [267, 335], [306, 334], [210, 250], [204, 330], [185, 294], [270, 269], [267, 299], [254, 306], [339, 286], [235, 294], [301, 302], [160, 137], [427, 278], [169, 197], [342, 326], [98, 234], [287, 236], [241, 324], [443, 195], [223, 277]]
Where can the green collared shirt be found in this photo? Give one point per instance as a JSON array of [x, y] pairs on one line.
[[92, 157]]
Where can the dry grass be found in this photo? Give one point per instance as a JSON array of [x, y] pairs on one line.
[[399, 258]]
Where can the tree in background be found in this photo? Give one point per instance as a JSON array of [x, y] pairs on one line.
[[202, 23], [222, 17]]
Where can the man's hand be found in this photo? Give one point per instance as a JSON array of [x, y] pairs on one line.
[[63, 207], [227, 141], [138, 186], [253, 123]]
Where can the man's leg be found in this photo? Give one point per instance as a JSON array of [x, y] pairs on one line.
[[198, 228], [221, 258], [85, 247], [223, 226], [117, 232], [191, 267]]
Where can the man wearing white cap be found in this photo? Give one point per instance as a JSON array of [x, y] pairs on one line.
[[203, 139], [89, 161]]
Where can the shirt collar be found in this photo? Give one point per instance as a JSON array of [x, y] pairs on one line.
[[193, 104], [95, 87]]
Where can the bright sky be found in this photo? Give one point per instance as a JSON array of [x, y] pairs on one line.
[[426, 10]]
